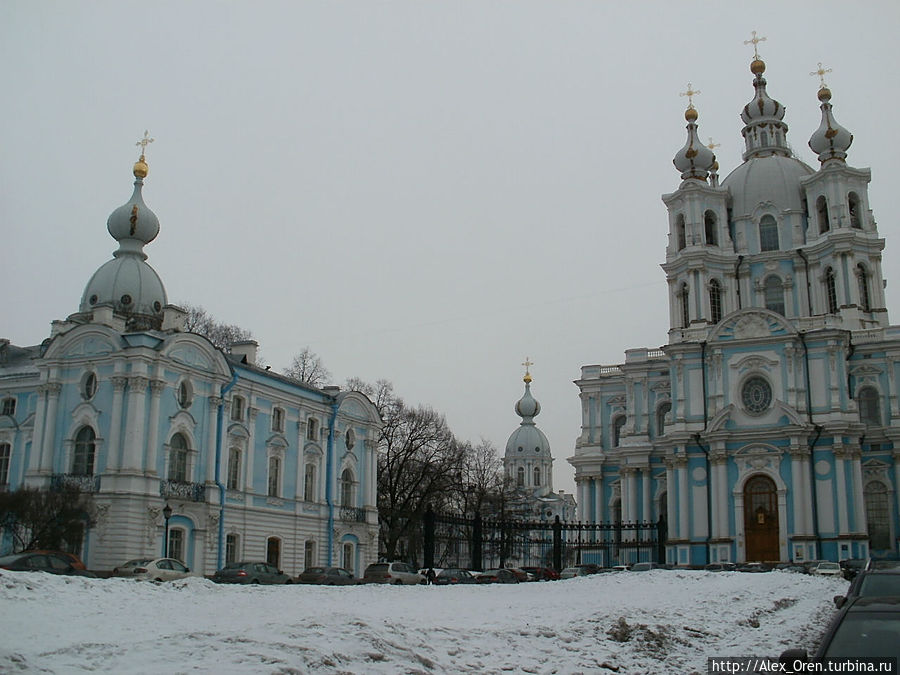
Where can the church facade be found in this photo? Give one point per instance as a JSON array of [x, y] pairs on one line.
[[767, 427], [171, 435]]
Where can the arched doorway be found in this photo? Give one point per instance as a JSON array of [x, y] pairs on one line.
[[761, 519]]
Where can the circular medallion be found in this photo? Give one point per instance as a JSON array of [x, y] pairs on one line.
[[756, 395]]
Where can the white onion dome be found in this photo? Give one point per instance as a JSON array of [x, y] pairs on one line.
[[830, 141], [764, 132], [527, 440], [694, 160], [127, 282]]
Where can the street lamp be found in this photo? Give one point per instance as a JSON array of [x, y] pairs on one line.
[[167, 513]]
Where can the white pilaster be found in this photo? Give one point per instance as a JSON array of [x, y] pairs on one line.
[[135, 423]]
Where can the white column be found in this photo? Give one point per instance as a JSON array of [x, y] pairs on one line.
[[799, 497], [37, 441], [670, 498], [114, 451], [598, 499], [135, 423], [859, 510], [632, 495], [579, 489], [156, 389], [723, 498], [212, 433], [646, 513], [712, 485], [49, 440], [683, 513], [841, 491], [624, 494]]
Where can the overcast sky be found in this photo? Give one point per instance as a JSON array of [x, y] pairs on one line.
[[426, 192]]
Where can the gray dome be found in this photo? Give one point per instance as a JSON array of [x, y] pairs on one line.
[[774, 178], [129, 285], [527, 441]]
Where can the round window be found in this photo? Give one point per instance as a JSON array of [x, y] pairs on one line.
[[756, 395], [125, 299], [89, 386]]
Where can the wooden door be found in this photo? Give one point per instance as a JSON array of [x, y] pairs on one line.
[[761, 519]]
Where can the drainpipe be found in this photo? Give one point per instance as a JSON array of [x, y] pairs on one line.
[[812, 469], [220, 418], [737, 279], [808, 292], [329, 479]]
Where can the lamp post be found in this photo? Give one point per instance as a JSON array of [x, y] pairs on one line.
[[167, 513]]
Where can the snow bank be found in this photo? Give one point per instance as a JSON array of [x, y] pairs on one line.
[[659, 622]]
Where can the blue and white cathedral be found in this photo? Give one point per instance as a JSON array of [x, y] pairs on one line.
[[767, 427], [174, 437]]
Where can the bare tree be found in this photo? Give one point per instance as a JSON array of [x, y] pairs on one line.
[[222, 335], [50, 519], [308, 367]]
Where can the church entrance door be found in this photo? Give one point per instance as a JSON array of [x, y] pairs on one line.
[[761, 519]]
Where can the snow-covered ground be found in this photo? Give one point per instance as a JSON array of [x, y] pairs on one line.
[[653, 622]]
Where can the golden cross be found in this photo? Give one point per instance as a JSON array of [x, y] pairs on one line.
[[690, 93], [821, 73], [527, 363], [145, 141], [754, 41], [711, 145]]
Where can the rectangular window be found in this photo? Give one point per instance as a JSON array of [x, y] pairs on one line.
[[178, 465], [176, 544], [309, 483], [309, 553], [312, 429], [237, 409], [9, 407], [5, 454], [273, 551], [277, 419], [234, 469], [274, 475], [231, 546]]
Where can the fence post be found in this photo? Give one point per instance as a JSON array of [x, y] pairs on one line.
[[557, 545], [662, 534], [476, 542], [428, 538]]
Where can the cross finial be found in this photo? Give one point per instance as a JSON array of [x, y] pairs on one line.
[[690, 93], [755, 41], [821, 73], [711, 145], [144, 142], [527, 363]]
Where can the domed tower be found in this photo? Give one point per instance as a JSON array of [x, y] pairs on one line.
[[127, 284], [527, 461]]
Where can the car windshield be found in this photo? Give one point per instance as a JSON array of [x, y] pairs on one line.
[[138, 562], [7, 559], [866, 634], [829, 566], [879, 584], [379, 568]]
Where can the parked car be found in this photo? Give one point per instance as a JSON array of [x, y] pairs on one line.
[[571, 572], [591, 568], [251, 573], [647, 566], [154, 569], [73, 559], [827, 569], [392, 573], [863, 627], [882, 563], [620, 568], [871, 583], [851, 567], [753, 567], [327, 576], [542, 573], [721, 567], [54, 562], [497, 576], [452, 576]]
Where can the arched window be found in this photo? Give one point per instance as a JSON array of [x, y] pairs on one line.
[[178, 455], [822, 214], [768, 234], [618, 423], [862, 279], [274, 481], [537, 476], [520, 477], [684, 302], [715, 301], [855, 221], [774, 294], [85, 448], [679, 231], [346, 488], [347, 557], [234, 469], [709, 228], [176, 543], [763, 139], [661, 412], [868, 402], [831, 291], [309, 482], [875, 496]]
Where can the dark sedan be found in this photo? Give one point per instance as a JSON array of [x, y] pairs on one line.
[[327, 576], [44, 561], [542, 573], [871, 583], [251, 573], [453, 576], [499, 576]]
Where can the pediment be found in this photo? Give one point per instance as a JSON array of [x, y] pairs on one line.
[[751, 324], [195, 352]]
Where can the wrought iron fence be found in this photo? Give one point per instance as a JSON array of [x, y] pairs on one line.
[[352, 514], [476, 543], [59, 481], [195, 492]]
